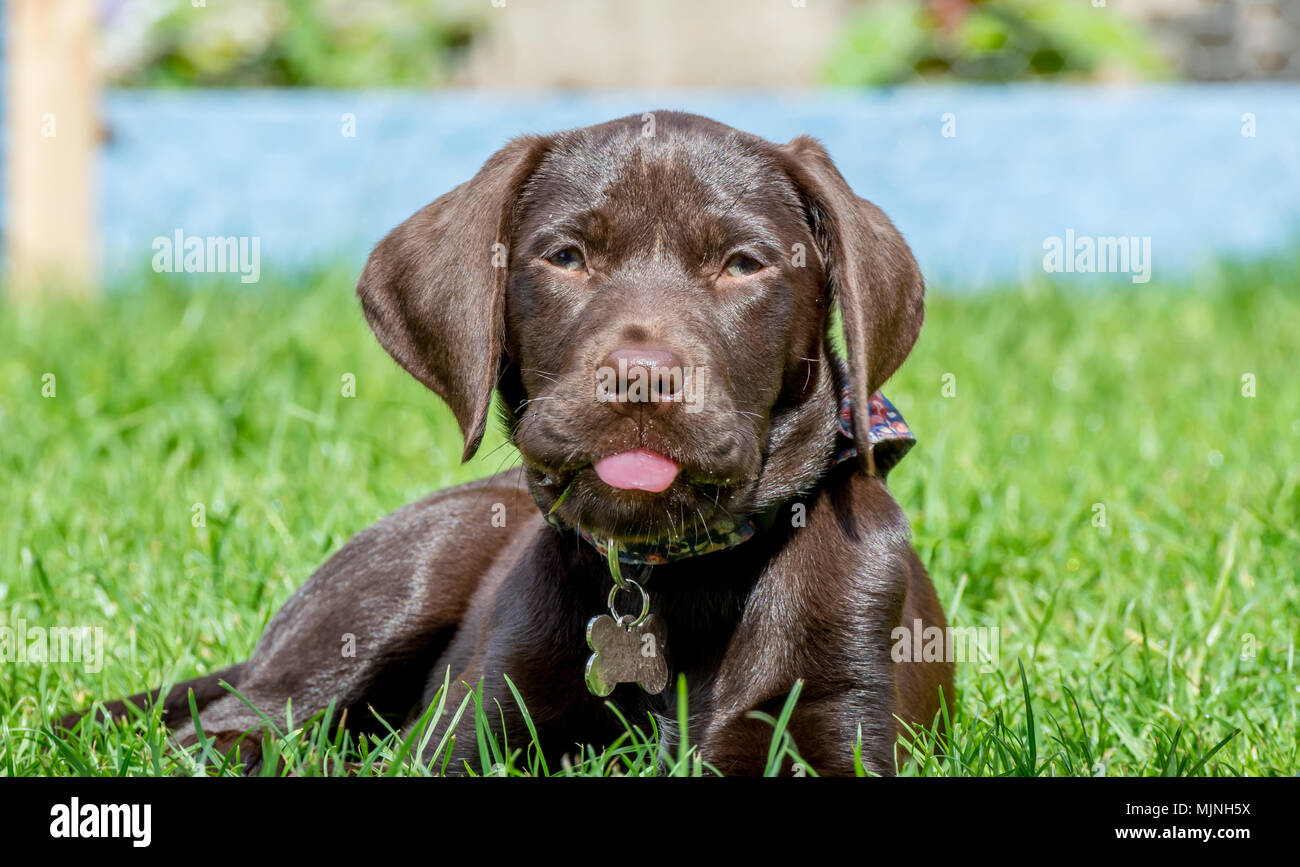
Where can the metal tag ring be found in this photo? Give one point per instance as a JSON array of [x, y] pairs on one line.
[[645, 603]]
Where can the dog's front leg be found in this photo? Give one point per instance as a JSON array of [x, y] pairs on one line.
[[824, 613], [845, 707], [364, 630]]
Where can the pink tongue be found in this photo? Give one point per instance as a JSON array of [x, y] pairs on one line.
[[638, 470]]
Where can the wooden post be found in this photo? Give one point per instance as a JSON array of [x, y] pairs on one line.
[[51, 128]]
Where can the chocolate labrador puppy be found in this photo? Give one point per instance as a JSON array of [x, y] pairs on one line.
[[651, 297]]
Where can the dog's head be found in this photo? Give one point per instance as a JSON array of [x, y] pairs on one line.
[[652, 298]]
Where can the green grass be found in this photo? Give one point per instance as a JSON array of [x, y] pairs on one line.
[[1145, 643]]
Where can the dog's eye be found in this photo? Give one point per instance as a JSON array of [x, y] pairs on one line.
[[570, 259], [741, 265]]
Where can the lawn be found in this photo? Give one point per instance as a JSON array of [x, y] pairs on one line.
[[1108, 476]]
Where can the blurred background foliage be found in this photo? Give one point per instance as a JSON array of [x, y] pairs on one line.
[[894, 41], [317, 43], [416, 43]]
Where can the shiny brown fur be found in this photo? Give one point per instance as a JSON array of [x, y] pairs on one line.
[[464, 297]]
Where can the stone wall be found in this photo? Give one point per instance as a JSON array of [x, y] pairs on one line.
[[1226, 40], [626, 44], [590, 44]]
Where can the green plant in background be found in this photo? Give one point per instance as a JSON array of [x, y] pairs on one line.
[[321, 43], [896, 41]]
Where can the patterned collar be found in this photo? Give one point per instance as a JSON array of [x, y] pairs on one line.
[[890, 439]]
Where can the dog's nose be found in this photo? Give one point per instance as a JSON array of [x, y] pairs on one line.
[[640, 379]]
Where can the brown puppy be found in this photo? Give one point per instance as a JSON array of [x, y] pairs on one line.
[[666, 244]]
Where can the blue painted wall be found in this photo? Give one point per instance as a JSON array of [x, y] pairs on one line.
[[1027, 162]]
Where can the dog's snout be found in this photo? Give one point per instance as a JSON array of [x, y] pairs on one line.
[[640, 378], [651, 358]]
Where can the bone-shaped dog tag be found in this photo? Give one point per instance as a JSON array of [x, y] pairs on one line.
[[625, 653]]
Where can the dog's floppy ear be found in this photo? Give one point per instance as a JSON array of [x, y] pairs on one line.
[[870, 272], [433, 290]]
